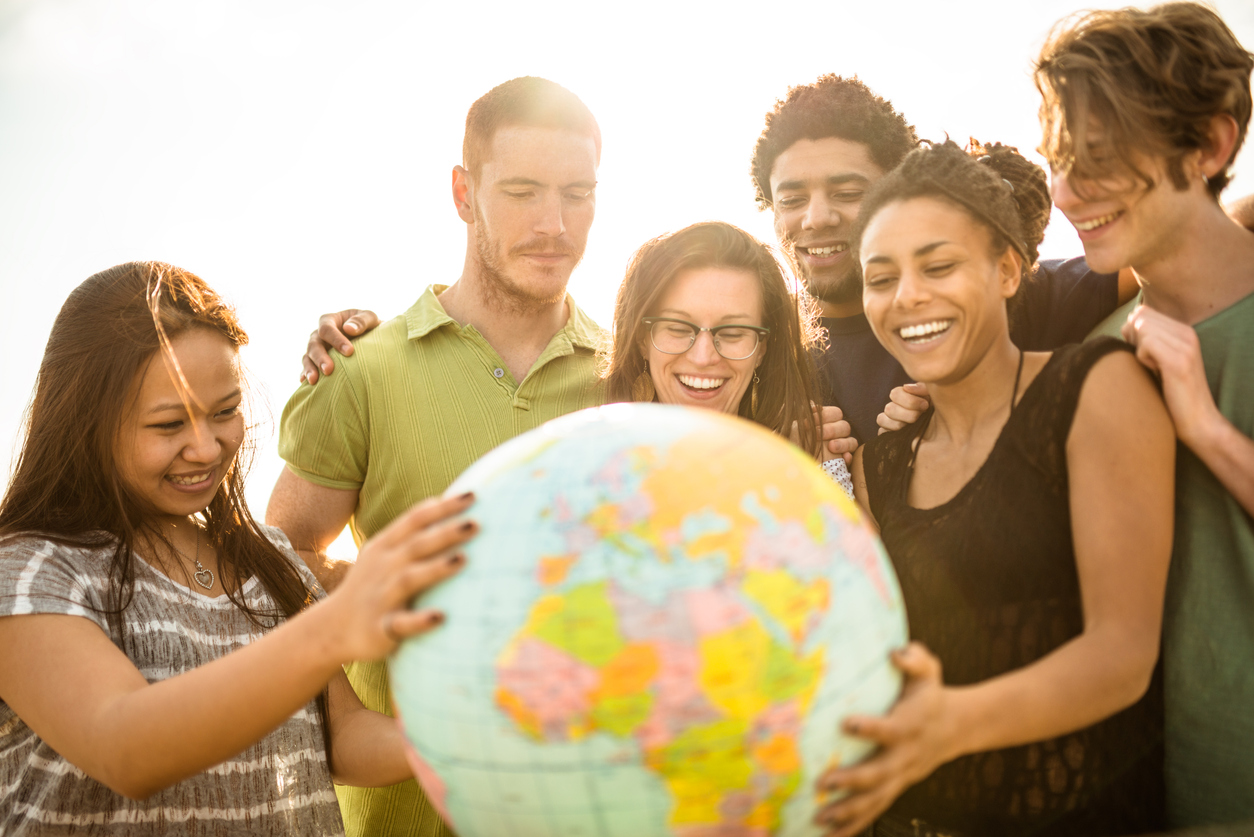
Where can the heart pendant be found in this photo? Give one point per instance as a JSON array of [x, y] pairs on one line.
[[204, 578]]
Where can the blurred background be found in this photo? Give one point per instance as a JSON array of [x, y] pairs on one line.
[[297, 155]]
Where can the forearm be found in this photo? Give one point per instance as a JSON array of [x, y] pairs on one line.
[[1229, 454], [165, 732], [1080, 683]]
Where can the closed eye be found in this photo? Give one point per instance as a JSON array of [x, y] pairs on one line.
[[939, 268]]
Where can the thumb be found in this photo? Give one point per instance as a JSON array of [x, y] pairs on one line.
[[917, 663]]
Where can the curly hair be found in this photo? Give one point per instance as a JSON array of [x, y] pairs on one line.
[[1151, 79], [786, 387], [994, 184], [830, 107]]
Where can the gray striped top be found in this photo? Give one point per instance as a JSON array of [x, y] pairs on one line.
[[281, 785]]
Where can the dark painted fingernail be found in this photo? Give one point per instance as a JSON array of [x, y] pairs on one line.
[[468, 526], [469, 495], [456, 560], [437, 618]]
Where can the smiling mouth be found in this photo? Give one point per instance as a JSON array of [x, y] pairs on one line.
[[924, 332], [701, 384], [189, 479], [824, 252], [1095, 223]]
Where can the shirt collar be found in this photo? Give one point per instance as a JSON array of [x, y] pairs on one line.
[[427, 314]]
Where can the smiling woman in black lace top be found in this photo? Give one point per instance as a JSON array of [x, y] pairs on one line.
[[1028, 515]]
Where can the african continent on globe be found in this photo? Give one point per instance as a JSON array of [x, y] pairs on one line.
[[660, 626]]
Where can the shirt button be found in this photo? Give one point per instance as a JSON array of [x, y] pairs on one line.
[[498, 372]]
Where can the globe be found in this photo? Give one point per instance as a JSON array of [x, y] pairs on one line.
[[664, 619]]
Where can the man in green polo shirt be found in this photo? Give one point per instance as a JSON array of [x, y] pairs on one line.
[[500, 351]]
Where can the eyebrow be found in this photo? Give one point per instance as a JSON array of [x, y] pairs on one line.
[[922, 251], [178, 405], [527, 181], [685, 315], [834, 180]]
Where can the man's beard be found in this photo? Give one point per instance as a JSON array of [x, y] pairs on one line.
[[838, 290], [502, 291]]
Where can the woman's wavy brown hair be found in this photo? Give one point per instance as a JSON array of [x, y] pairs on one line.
[[786, 374], [66, 485], [1152, 80]]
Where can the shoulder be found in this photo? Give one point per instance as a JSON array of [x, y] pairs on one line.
[[1119, 401], [41, 574]]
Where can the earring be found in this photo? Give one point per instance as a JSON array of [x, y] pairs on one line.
[[753, 396], [642, 387]]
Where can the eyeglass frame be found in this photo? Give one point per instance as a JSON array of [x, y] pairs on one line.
[[762, 331]]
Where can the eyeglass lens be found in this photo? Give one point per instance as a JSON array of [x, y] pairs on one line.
[[732, 343]]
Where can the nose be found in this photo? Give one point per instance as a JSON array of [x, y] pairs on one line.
[[912, 290], [549, 219], [203, 446], [703, 351], [1061, 191], [820, 213]]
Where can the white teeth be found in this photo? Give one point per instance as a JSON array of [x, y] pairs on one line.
[[923, 330], [1094, 223], [827, 251], [701, 383], [192, 479]]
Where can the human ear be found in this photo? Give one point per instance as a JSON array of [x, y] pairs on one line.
[[1221, 137], [1009, 272], [462, 194]]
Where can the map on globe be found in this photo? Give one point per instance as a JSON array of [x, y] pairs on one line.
[[660, 626]]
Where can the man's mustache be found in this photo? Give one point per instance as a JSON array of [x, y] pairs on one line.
[[542, 247]]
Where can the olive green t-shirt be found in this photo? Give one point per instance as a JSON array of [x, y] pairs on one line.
[[419, 400], [1208, 628], [1113, 325]]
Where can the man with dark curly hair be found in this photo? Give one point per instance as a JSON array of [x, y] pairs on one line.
[[824, 145]]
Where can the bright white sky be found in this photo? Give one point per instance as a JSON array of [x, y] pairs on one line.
[[296, 153]]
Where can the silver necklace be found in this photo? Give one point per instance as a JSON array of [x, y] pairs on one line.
[[203, 577]]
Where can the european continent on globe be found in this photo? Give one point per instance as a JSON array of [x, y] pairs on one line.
[[694, 602]]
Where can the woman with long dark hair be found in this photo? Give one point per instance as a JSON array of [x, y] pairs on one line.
[[167, 664]]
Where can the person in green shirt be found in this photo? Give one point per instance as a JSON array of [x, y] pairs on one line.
[[1143, 115], [499, 351]]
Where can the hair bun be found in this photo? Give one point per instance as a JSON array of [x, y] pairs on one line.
[[1028, 185]]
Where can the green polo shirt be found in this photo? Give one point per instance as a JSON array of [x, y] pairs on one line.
[[419, 400]]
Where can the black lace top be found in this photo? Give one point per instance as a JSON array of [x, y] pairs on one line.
[[990, 585]]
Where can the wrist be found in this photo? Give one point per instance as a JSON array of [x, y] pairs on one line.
[[1206, 433], [960, 727], [322, 637]]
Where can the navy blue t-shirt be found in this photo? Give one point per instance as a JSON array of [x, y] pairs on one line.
[[1060, 303]]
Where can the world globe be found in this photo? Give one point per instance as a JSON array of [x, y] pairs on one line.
[[664, 619]]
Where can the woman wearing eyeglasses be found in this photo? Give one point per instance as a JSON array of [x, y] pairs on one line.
[[704, 318]]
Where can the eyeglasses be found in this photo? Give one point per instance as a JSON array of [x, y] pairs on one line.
[[733, 341]]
